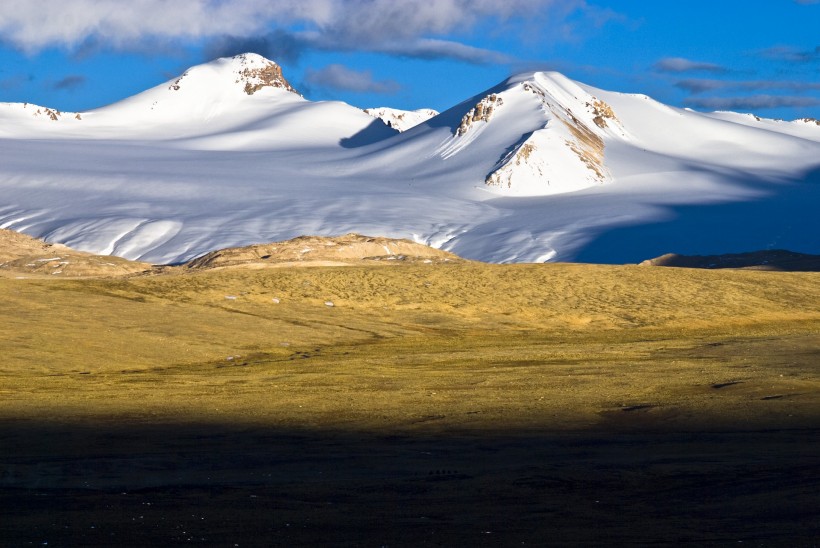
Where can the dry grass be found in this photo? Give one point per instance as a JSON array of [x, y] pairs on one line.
[[24, 256], [590, 335], [322, 251]]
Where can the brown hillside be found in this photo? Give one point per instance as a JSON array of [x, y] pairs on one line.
[[323, 251], [22, 255]]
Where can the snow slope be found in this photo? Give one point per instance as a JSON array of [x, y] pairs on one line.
[[401, 120], [538, 168]]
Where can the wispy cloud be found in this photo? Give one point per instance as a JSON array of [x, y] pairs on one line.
[[807, 2], [280, 45], [701, 85], [71, 82], [755, 102], [289, 47], [413, 28], [680, 64], [15, 82], [790, 54], [428, 48], [340, 77]]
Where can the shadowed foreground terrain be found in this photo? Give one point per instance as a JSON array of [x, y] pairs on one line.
[[435, 404], [775, 259]]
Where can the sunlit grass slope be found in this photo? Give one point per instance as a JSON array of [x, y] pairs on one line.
[[463, 346]]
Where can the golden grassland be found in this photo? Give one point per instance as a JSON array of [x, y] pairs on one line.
[[530, 342], [484, 346], [537, 385]]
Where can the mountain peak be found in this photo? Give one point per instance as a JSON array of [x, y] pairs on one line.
[[560, 128], [258, 72], [251, 71]]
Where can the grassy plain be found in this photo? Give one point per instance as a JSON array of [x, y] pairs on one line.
[[439, 404]]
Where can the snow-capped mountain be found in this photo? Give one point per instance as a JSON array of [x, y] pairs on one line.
[[538, 168], [401, 120], [241, 102]]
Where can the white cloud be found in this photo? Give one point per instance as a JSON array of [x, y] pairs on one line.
[[406, 27], [680, 64], [428, 48], [340, 77], [35, 25]]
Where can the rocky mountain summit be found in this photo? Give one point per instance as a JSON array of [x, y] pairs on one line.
[[561, 148], [253, 72]]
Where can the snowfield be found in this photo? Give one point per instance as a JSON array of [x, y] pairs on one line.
[[538, 168], [401, 120]]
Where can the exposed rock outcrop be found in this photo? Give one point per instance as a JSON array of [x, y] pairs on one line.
[[503, 174], [269, 75], [481, 112], [587, 144], [602, 112], [48, 113]]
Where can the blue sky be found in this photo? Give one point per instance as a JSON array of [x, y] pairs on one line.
[[758, 56]]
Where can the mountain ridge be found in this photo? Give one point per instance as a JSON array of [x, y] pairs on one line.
[[537, 168]]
